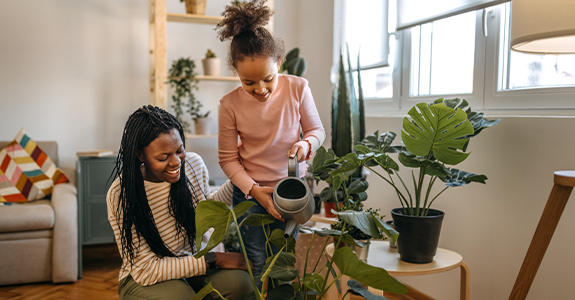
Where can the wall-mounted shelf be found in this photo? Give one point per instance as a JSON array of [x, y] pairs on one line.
[[195, 19], [217, 78]]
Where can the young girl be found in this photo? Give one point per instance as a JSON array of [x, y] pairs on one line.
[[151, 207], [268, 112]]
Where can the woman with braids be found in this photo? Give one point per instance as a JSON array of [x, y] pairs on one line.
[[268, 112], [151, 207]]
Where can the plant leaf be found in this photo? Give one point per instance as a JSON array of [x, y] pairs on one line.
[[281, 267], [217, 215], [461, 178], [362, 291], [436, 128], [334, 233], [313, 281], [363, 220], [277, 238], [358, 186], [281, 292], [433, 168], [206, 290], [255, 219], [387, 229], [350, 265]]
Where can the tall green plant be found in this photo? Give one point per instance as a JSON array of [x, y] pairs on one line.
[[293, 64], [310, 285], [182, 78], [347, 111]]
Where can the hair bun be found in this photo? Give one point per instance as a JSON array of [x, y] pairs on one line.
[[245, 17]]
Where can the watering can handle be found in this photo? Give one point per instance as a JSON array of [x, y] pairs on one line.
[[292, 166]]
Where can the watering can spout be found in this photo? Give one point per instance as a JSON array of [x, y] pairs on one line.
[[290, 226]]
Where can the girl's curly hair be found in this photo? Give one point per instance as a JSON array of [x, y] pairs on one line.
[[244, 25]]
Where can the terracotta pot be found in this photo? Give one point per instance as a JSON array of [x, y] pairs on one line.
[[202, 126], [211, 66], [328, 207], [196, 7]]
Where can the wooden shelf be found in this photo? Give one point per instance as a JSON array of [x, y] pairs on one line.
[[195, 19], [200, 136], [217, 78]]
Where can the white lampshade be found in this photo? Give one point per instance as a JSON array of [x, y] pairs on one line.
[[543, 26]]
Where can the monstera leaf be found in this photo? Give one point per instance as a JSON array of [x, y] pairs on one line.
[[217, 215], [461, 178], [438, 130], [431, 167], [348, 264], [281, 267]]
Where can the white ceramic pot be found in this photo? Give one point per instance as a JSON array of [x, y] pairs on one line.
[[202, 126], [211, 66]]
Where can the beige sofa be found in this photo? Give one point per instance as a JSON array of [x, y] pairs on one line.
[[39, 239]]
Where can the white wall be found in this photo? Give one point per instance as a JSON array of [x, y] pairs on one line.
[[72, 71]]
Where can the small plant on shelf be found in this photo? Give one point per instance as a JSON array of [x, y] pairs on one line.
[[210, 54], [182, 78]]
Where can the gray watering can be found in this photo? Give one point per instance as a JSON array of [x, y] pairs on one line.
[[293, 199]]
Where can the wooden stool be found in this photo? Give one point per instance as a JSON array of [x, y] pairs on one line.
[[564, 181]]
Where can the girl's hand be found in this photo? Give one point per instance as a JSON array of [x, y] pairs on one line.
[[232, 260], [263, 195], [300, 149]]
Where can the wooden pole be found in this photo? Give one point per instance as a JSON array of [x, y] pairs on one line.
[[564, 181], [158, 58]]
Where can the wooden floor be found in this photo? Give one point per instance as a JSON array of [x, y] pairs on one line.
[[99, 281]]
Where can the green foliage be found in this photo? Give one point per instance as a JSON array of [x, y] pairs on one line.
[[311, 284], [182, 78], [238, 3], [210, 54], [347, 112], [293, 64], [434, 136]]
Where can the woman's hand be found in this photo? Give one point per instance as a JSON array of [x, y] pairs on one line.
[[263, 195], [232, 260], [300, 149]]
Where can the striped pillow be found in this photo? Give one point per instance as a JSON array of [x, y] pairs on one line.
[[26, 172]]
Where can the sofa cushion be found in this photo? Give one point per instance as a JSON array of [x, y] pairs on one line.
[[37, 215], [26, 172]]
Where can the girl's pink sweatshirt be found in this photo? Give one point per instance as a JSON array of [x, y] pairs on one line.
[[267, 131]]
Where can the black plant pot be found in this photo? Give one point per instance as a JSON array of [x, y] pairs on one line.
[[418, 236]]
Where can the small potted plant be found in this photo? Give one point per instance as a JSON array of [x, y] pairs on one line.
[[211, 64], [182, 78], [195, 7]]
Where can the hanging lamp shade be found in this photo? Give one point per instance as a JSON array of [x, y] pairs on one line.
[[543, 27]]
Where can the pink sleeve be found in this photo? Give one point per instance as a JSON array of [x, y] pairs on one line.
[[228, 154], [310, 121]]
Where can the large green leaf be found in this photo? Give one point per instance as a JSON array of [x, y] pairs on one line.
[[341, 140], [277, 238], [206, 290], [313, 281], [363, 220], [357, 186], [281, 292], [281, 267], [350, 265], [432, 167], [387, 229], [257, 220], [346, 238], [362, 291], [461, 178], [436, 128], [217, 215]]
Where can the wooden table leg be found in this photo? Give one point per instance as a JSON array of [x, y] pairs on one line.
[[464, 289]]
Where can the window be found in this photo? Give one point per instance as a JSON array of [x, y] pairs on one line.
[[465, 55]]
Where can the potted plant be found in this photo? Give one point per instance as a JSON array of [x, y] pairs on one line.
[[196, 7], [311, 284], [182, 78], [211, 64], [293, 64], [434, 136]]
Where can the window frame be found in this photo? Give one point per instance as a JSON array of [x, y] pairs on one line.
[[541, 101]]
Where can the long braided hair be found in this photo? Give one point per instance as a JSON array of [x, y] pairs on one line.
[[143, 127]]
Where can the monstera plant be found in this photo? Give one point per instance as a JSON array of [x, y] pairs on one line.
[[435, 137], [281, 266]]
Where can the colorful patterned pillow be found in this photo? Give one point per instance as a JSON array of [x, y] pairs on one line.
[[26, 172]]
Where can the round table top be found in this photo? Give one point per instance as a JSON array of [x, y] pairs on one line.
[[382, 256]]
